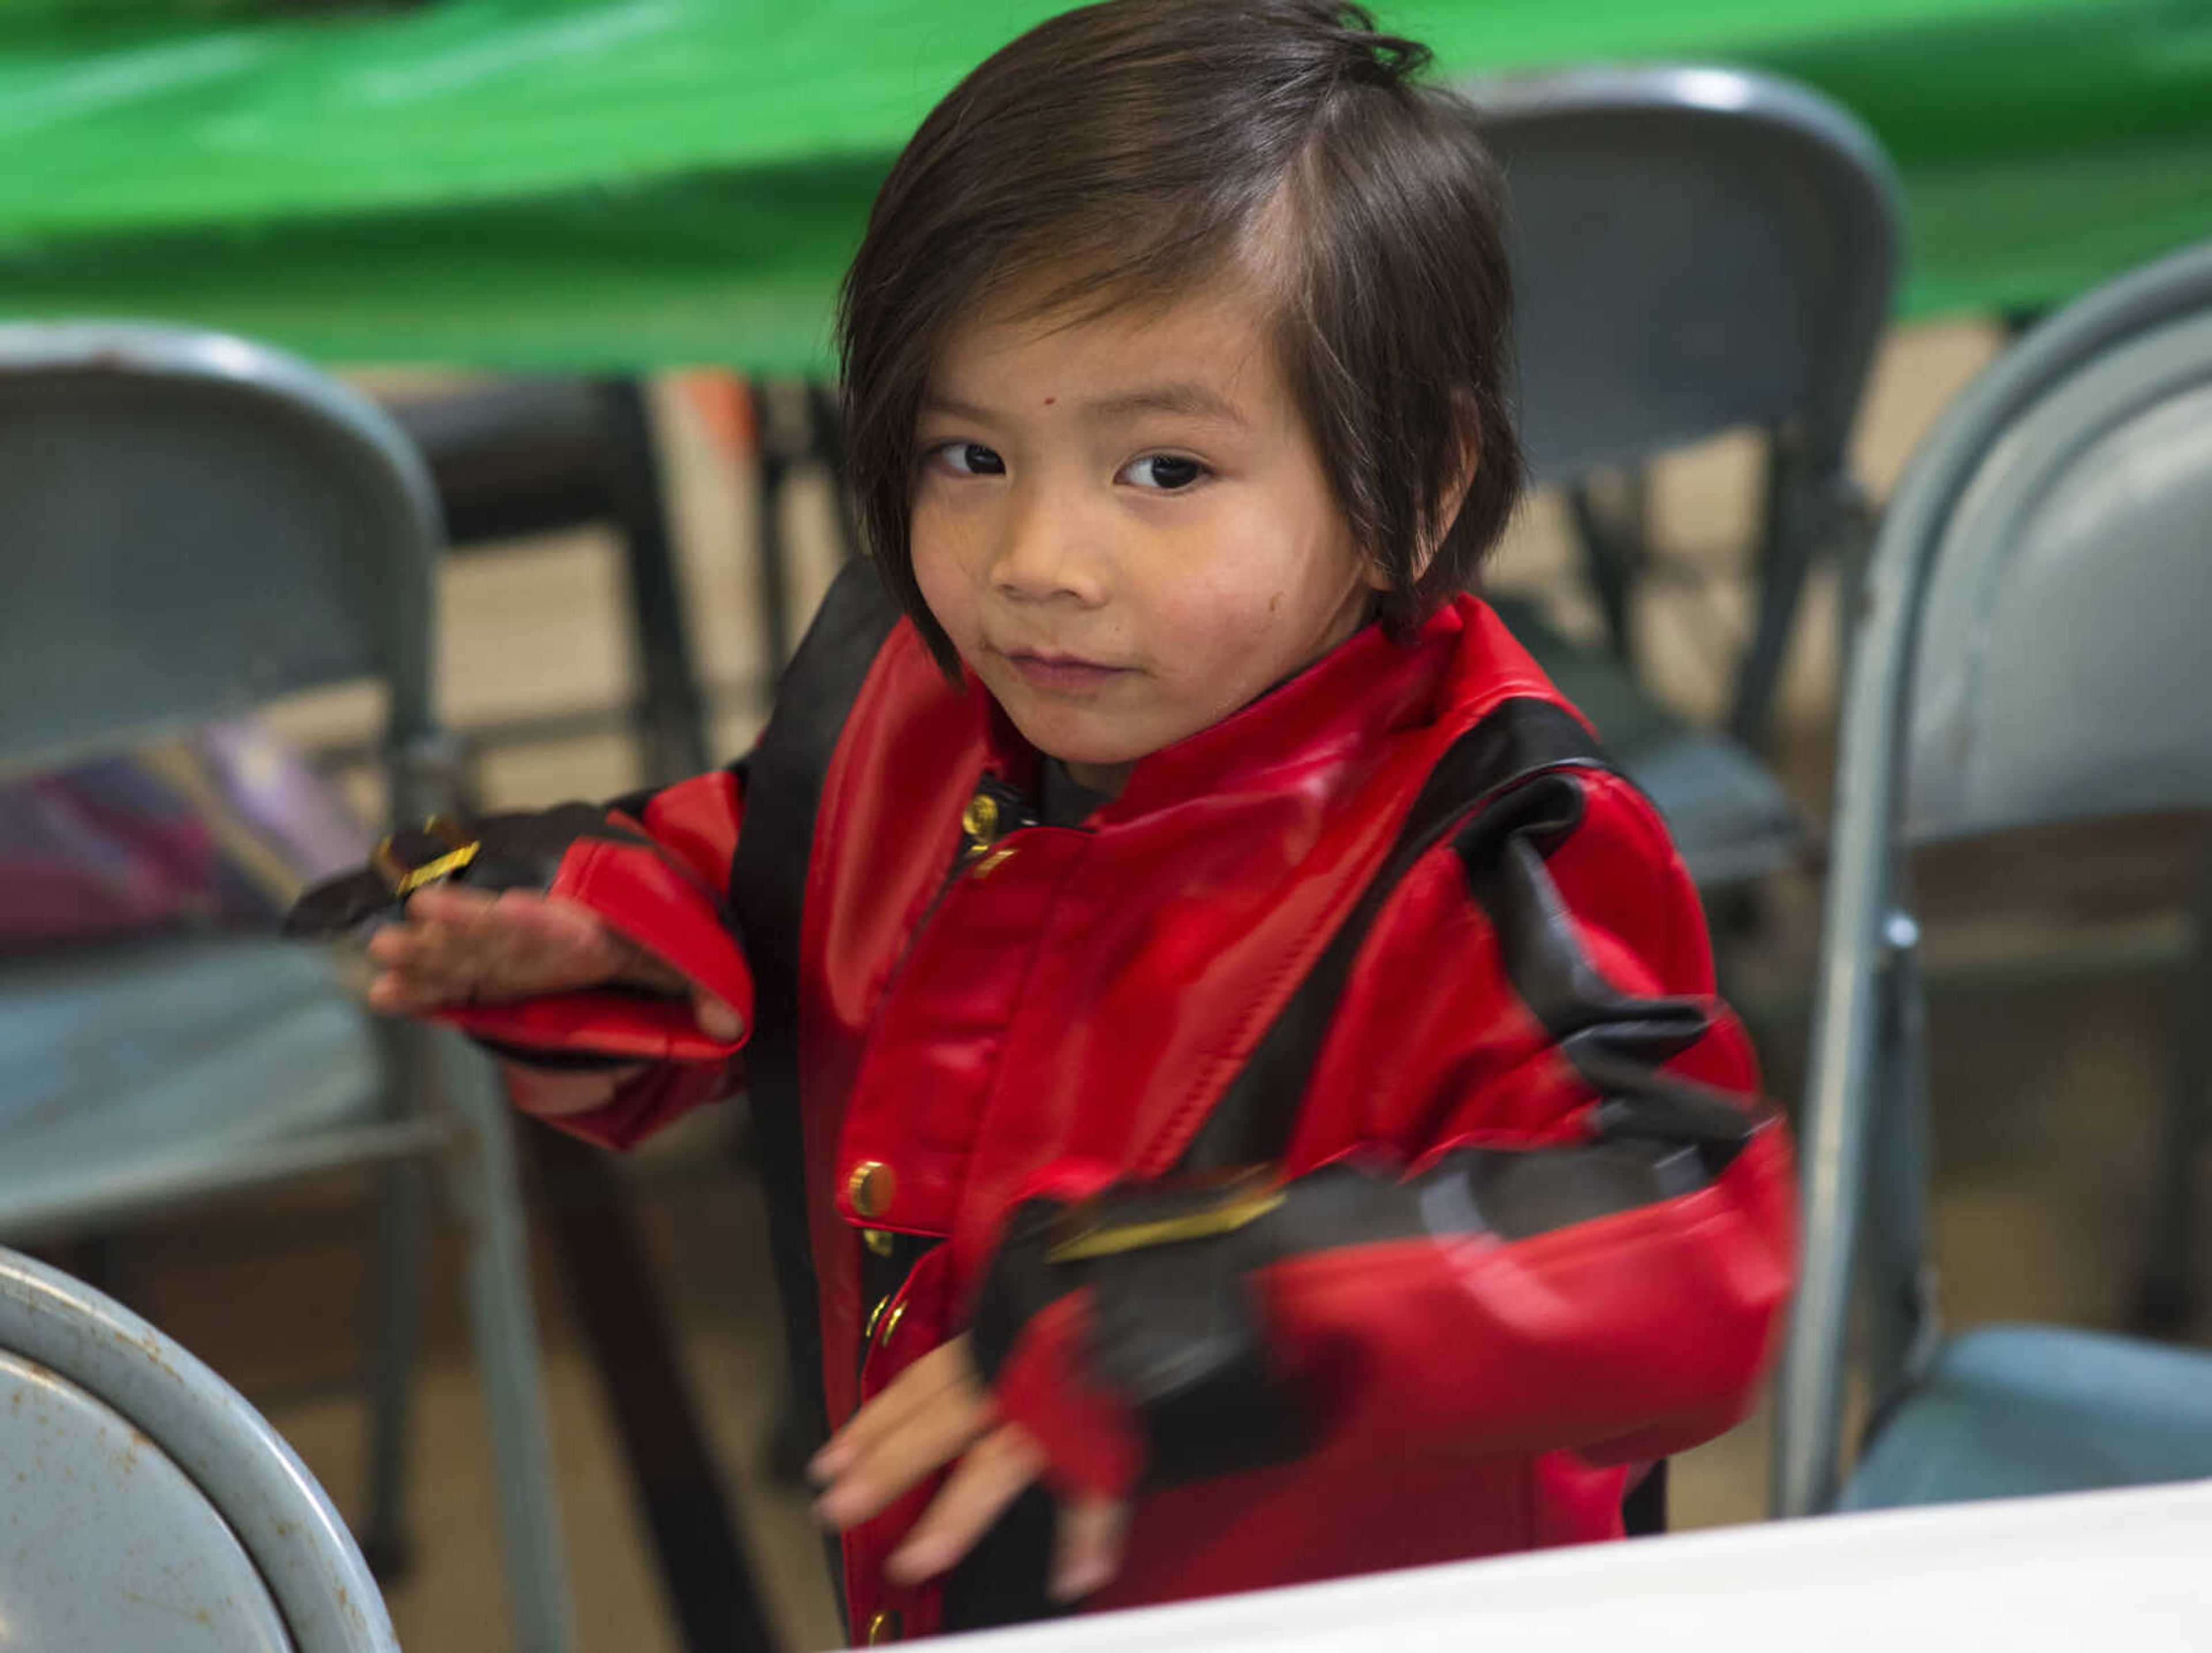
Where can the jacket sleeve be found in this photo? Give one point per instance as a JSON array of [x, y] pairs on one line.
[[1571, 1225], [610, 1063], [669, 894]]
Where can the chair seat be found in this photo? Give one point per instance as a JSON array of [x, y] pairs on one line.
[[109, 1543], [1729, 817], [169, 1055], [2014, 1410]]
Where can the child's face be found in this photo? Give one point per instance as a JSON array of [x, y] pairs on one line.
[[1123, 526]]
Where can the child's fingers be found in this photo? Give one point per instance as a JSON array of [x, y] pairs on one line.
[[559, 1093], [447, 928], [936, 1436], [394, 944], [931, 1435], [461, 943], [975, 1494], [429, 946], [919, 1386], [716, 1019], [544, 944], [641, 967], [426, 958], [391, 993], [444, 962], [447, 903], [457, 945], [413, 972], [1087, 1552], [397, 992]]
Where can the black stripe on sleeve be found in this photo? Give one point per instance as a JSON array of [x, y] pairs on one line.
[[767, 880], [1618, 1041], [1519, 739]]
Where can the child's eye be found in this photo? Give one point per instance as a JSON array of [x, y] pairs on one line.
[[967, 459], [1163, 473]]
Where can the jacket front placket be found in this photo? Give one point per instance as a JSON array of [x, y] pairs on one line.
[[929, 1067]]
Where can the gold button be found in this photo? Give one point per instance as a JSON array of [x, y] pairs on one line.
[[868, 1332], [992, 862], [870, 1187], [877, 1241], [980, 820], [886, 1626], [891, 1320]]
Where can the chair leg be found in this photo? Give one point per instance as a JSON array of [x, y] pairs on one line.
[[2166, 1292], [696, 1534], [1785, 550], [504, 1321], [674, 722], [789, 439], [828, 442], [395, 1290], [773, 566], [1904, 1318], [1612, 521]]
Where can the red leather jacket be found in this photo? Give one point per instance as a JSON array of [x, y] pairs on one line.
[[1526, 1229]]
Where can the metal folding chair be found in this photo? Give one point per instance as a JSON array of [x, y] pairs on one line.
[[148, 1505], [2030, 649], [525, 456], [1694, 249], [191, 525]]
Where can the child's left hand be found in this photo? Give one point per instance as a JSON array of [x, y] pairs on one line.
[[935, 1411]]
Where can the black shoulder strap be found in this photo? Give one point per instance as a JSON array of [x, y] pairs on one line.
[[1522, 738], [767, 882]]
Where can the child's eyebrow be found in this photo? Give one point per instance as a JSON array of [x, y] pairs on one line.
[[952, 407], [1183, 397]]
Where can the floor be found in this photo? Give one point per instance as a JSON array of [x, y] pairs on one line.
[[2053, 964]]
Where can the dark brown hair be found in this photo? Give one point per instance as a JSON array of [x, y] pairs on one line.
[[1129, 152]]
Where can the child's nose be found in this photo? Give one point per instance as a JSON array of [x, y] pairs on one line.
[[1048, 551]]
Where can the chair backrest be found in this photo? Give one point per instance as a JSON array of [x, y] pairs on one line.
[[190, 524], [2028, 648], [2060, 669], [154, 1506], [1694, 249]]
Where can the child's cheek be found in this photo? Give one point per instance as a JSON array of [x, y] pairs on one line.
[[936, 574]]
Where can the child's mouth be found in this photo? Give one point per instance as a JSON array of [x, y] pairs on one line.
[[1063, 674]]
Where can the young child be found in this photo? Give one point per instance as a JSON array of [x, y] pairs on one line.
[[1236, 1072]]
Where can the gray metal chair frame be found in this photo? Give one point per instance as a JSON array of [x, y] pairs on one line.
[[1697, 249], [251, 1477], [2029, 649], [195, 525]]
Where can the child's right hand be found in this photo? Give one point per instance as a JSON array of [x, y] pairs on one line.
[[455, 946]]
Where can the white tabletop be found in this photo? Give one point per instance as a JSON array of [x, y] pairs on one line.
[[2100, 1571]]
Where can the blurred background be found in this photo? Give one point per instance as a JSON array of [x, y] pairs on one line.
[[583, 251]]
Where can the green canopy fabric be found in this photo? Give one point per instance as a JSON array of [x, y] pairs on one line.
[[587, 184]]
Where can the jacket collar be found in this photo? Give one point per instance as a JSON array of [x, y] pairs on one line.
[[1312, 727]]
